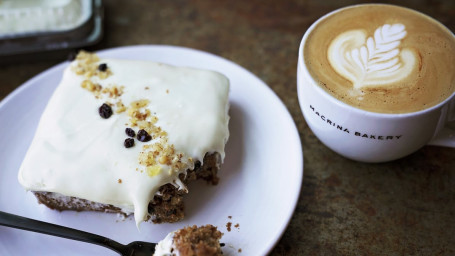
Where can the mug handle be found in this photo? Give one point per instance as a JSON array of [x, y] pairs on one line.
[[445, 136]]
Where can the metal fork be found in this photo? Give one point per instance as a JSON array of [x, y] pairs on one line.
[[136, 248]]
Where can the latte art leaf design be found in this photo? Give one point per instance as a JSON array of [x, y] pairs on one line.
[[380, 53], [372, 61]]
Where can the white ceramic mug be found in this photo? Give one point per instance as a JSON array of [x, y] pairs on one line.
[[368, 136]]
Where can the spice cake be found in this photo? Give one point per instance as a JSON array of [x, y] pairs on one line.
[[127, 136], [191, 241]]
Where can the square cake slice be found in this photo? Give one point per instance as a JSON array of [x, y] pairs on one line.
[[127, 136]]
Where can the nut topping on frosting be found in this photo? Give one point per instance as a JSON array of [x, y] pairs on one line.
[[90, 86], [86, 65], [113, 91], [153, 170], [154, 155]]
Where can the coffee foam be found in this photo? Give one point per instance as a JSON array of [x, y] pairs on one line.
[[382, 58]]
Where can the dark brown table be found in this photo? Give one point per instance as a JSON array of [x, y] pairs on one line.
[[404, 207]]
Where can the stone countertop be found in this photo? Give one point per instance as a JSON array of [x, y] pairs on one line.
[[404, 207]]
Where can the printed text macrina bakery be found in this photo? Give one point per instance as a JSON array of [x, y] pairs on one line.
[[345, 129]]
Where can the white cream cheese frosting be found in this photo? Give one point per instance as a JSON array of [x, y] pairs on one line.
[[76, 152], [166, 246]]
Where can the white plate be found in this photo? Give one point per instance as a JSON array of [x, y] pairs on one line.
[[259, 182]]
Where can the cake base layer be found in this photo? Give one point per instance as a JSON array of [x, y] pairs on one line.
[[166, 206]]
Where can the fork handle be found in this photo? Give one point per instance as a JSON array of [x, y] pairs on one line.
[[14, 221]]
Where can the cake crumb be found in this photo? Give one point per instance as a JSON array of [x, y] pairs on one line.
[[237, 225], [228, 226], [240, 250], [195, 240], [230, 217], [119, 181]]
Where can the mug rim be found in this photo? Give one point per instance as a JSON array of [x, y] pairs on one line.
[[301, 67]]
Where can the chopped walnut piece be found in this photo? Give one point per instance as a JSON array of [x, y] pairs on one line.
[[153, 170], [120, 107], [163, 159], [89, 85], [104, 75], [139, 103], [153, 119], [87, 57], [113, 91]]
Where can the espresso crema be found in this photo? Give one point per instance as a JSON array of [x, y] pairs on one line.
[[382, 58]]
